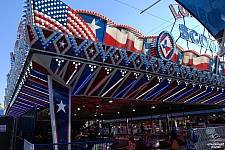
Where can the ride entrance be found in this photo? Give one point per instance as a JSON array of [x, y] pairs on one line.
[[71, 65]]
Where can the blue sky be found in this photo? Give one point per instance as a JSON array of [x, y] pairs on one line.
[[155, 20]]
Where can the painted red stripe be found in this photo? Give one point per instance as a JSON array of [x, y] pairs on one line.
[[166, 93], [113, 42], [56, 71], [37, 82], [34, 92], [202, 66], [31, 98], [103, 80], [217, 100], [206, 97], [29, 102], [137, 89], [188, 96]]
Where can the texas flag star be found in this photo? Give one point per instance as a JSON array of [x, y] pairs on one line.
[[61, 106], [166, 46], [93, 26]]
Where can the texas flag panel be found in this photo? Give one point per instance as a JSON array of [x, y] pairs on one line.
[[60, 113]]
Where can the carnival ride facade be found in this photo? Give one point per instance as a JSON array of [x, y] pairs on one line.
[[71, 60]]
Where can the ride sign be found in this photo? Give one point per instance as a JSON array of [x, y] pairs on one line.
[[165, 45], [196, 38]]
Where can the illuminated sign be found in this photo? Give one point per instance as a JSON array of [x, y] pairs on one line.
[[181, 12], [2, 128], [165, 45], [196, 38]]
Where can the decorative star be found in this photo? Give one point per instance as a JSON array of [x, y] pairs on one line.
[[220, 68], [62, 44], [180, 60], [116, 57], [213, 66], [61, 106], [91, 51], [138, 61], [166, 46], [93, 26]]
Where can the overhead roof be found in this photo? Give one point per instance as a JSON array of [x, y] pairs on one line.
[[210, 13]]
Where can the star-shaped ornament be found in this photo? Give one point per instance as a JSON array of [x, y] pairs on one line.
[[93, 26], [62, 44], [91, 51], [116, 57], [61, 106]]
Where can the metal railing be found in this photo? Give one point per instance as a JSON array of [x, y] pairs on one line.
[[87, 145], [23, 144]]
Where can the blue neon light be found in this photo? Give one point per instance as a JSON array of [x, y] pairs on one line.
[[39, 73], [33, 100], [200, 97], [215, 98], [39, 87], [181, 95], [157, 92], [222, 102], [125, 88], [82, 84]]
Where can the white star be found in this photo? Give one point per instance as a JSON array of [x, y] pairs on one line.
[[220, 68], [91, 51], [116, 57], [138, 61], [213, 66], [62, 44], [61, 107], [93, 26]]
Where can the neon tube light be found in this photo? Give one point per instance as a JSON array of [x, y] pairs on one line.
[[30, 101], [35, 90], [207, 97], [38, 78], [34, 95], [165, 93], [213, 98], [137, 89], [194, 96], [56, 71], [112, 87], [39, 88], [25, 104], [148, 91], [200, 97], [188, 95], [220, 101], [103, 80], [125, 88], [181, 95], [39, 73], [174, 94], [82, 84], [157, 92], [71, 76]]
